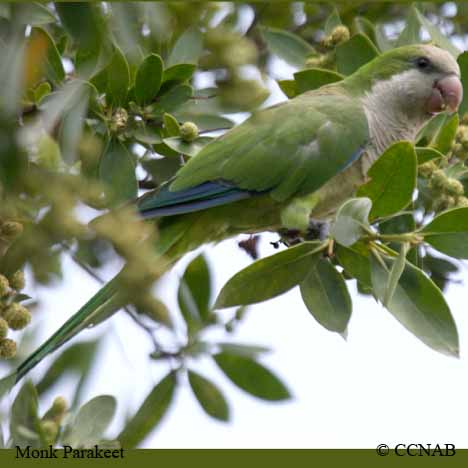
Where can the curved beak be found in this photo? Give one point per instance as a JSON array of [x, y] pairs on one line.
[[447, 93]]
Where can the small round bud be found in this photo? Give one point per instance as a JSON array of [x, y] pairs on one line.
[[50, 430], [4, 286], [59, 405], [3, 328], [454, 187], [119, 119], [438, 179], [462, 202], [17, 280], [339, 35], [7, 348], [427, 169], [11, 229], [188, 131], [17, 316], [57, 411]]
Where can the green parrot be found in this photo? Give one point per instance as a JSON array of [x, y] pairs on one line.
[[287, 164]]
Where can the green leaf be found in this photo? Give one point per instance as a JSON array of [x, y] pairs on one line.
[[269, 277], [179, 73], [76, 359], [209, 396], [171, 125], [332, 21], [150, 413], [252, 377], [355, 263], [446, 134], [53, 67], [148, 79], [117, 170], [463, 64], [289, 88], [92, 420], [287, 46], [411, 32], [32, 13], [41, 91], [353, 54], [148, 135], [395, 274], [24, 422], [195, 289], [314, 78], [325, 294], [448, 233], [426, 154], [173, 99], [205, 122], [242, 349], [437, 37], [393, 180], [188, 48], [366, 27], [419, 306], [118, 79], [188, 148], [351, 221], [162, 169]]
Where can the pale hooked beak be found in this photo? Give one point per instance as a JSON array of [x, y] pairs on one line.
[[447, 94]]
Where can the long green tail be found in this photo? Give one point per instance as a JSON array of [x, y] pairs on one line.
[[106, 301]]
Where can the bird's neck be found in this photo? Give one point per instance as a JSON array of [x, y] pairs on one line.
[[389, 119]]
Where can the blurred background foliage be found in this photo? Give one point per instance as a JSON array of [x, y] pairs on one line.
[[103, 101]]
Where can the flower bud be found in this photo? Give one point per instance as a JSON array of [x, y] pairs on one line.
[[4, 286], [462, 202], [339, 35], [188, 131], [17, 280], [3, 328], [17, 316], [50, 430], [427, 169], [57, 411], [438, 179], [454, 187], [7, 348], [11, 229]]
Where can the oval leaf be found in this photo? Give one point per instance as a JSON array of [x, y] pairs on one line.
[[188, 148], [351, 221], [209, 396], [425, 154], [353, 54], [195, 289], [252, 377], [463, 64], [269, 277], [89, 425], [287, 46], [325, 294], [418, 304], [314, 78], [148, 79], [117, 170], [150, 413], [393, 180], [448, 233], [118, 79], [187, 48], [446, 134]]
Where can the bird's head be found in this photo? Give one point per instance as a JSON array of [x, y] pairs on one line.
[[421, 80]]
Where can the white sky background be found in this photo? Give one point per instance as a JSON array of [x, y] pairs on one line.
[[381, 386]]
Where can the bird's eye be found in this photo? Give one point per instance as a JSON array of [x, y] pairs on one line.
[[423, 63]]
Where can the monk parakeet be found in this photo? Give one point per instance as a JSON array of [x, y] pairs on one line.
[[289, 163]]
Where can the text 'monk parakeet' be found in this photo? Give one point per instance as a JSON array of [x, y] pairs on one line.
[[288, 163]]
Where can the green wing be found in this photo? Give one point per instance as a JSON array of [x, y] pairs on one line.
[[289, 149]]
